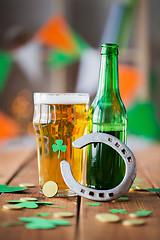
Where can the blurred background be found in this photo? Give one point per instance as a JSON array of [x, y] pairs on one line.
[[54, 46]]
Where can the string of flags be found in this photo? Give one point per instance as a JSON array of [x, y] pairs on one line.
[[65, 46]]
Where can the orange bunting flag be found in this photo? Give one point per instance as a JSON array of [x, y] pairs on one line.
[[56, 34], [130, 81], [9, 127]]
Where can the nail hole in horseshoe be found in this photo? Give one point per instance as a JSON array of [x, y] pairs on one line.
[[123, 151], [91, 193], [110, 139], [82, 191], [129, 159], [101, 195], [110, 194], [117, 144]]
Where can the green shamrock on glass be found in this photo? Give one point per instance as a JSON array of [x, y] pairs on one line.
[[59, 147]]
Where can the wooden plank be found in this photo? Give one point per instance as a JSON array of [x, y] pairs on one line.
[[90, 228], [11, 161], [30, 174], [149, 161]]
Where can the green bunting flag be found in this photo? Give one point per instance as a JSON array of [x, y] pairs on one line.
[[5, 68]]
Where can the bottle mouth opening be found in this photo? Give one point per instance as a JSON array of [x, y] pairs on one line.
[[109, 48]]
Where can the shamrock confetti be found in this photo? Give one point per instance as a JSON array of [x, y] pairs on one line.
[[55, 206], [138, 180], [137, 187], [141, 213], [133, 187], [93, 204], [141, 188], [121, 199], [5, 188], [8, 224], [41, 223], [59, 146], [43, 214], [118, 211], [29, 204], [153, 189]]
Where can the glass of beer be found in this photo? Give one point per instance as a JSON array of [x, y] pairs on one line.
[[59, 119]]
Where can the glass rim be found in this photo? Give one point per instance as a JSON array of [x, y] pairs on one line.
[[109, 49], [60, 98]]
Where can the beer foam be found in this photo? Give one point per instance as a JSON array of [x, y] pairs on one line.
[[61, 98]]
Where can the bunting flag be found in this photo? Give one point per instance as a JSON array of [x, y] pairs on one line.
[[29, 58], [126, 25], [142, 120], [130, 81], [6, 132], [5, 68], [56, 34], [57, 58]]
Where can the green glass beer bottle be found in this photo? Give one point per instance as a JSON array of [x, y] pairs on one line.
[[105, 168]]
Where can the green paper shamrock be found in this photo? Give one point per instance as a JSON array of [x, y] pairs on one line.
[[6, 66], [29, 204], [5, 188], [43, 214], [142, 213], [123, 199], [134, 186], [59, 146], [118, 211], [8, 224], [93, 204], [153, 189], [45, 203], [41, 223], [138, 180], [55, 206]]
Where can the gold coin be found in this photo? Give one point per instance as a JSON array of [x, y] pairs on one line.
[[121, 199], [107, 217], [138, 188], [63, 214], [132, 190], [141, 188], [133, 215], [133, 222], [28, 199], [50, 189], [12, 206], [26, 185]]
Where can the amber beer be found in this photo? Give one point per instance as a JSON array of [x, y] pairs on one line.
[[59, 119]]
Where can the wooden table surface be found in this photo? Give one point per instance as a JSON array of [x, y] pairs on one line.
[[21, 166]]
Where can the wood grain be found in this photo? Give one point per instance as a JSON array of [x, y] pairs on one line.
[[90, 228], [149, 161], [11, 161], [30, 174], [87, 227]]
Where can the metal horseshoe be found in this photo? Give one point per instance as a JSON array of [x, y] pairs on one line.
[[102, 195]]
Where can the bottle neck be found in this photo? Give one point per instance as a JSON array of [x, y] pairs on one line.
[[108, 79]]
